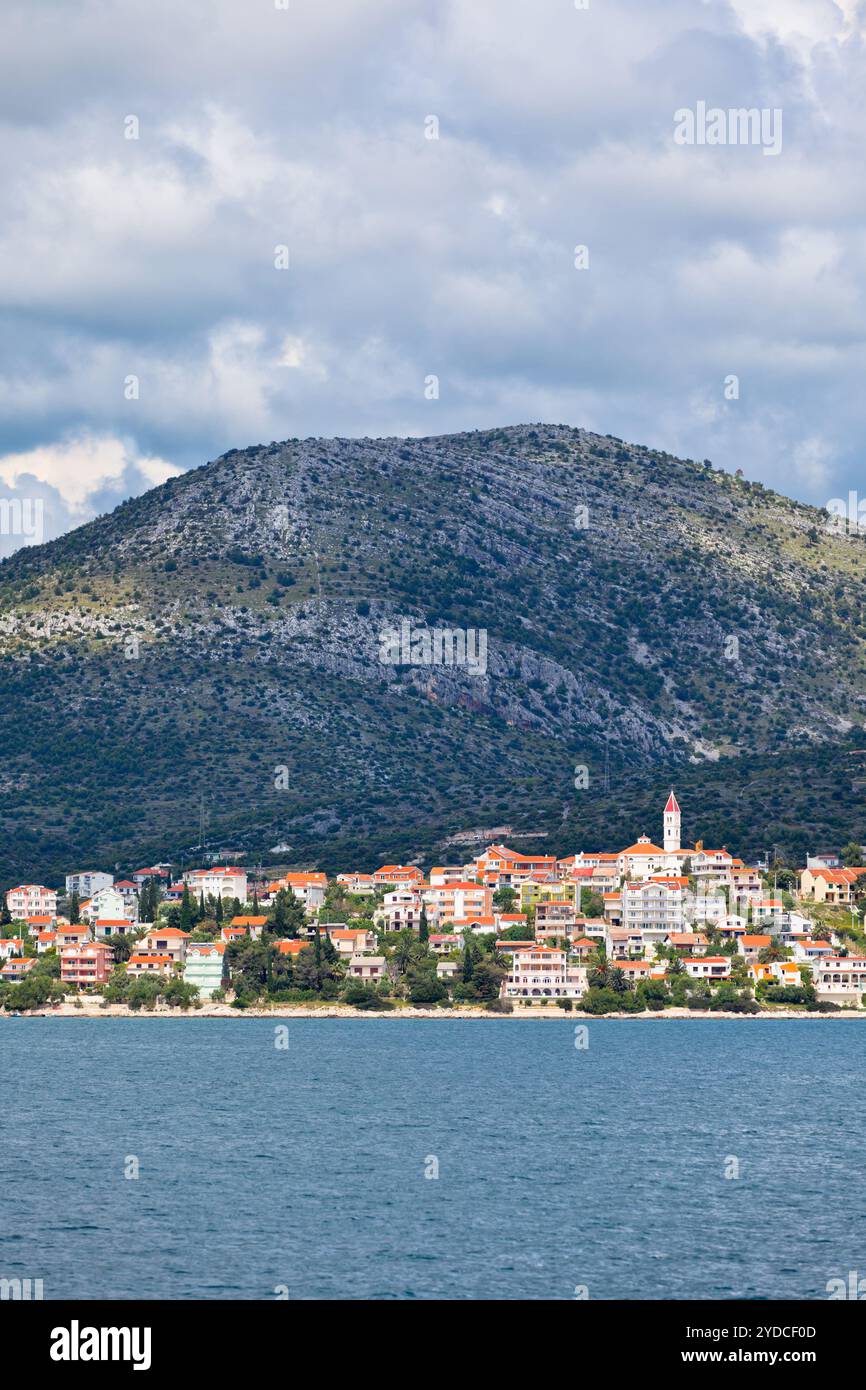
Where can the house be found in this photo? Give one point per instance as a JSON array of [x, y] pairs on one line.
[[447, 969], [770, 911], [228, 934], [707, 967], [560, 915], [583, 948], [555, 933], [254, 925], [291, 946], [613, 908], [218, 883], [143, 964], [499, 866], [475, 926], [352, 941], [505, 920], [705, 906], [447, 873], [104, 927], [87, 882], [840, 978], [45, 941], [31, 900], [108, 902], [204, 967], [624, 943], [72, 936], [400, 909], [367, 967], [165, 941], [654, 907], [441, 944], [11, 946], [694, 943], [534, 891], [745, 879], [750, 946], [160, 872], [308, 888], [805, 949], [785, 972], [542, 972], [824, 859], [396, 874], [37, 924], [14, 970], [643, 859], [595, 927], [711, 866], [86, 965], [128, 891], [762, 974], [634, 969], [452, 901], [360, 885], [832, 886]]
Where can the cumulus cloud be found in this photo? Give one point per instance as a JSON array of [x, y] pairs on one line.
[[258, 129], [46, 490]]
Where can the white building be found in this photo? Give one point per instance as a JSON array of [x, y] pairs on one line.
[[218, 883], [400, 909], [87, 883], [654, 908], [371, 968], [840, 978], [539, 972], [108, 903], [708, 967], [308, 888]]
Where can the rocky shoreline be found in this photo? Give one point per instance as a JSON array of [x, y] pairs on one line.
[[345, 1011]]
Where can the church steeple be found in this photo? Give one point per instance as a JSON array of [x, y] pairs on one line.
[[671, 838]]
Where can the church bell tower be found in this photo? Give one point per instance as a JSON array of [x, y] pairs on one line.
[[671, 839]]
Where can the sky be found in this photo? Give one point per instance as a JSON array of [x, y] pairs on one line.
[[227, 222]]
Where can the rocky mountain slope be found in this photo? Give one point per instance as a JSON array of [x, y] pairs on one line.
[[214, 649]]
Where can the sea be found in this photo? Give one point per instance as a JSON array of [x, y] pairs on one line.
[[298, 1159]]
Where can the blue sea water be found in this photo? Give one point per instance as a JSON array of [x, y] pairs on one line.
[[305, 1168]]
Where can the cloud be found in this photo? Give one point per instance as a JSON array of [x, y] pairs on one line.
[[68, 483], [306, 128]]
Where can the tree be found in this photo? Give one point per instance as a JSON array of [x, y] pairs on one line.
[[426, 988], [468, 963], [186, 910], [593, 905], [121, 946], [423, 929], [519, 933], [364, 996], [287, 917], [852, 855], [74, 909], [504, 898]]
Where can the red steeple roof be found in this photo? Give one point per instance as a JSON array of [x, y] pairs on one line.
[[672, 803]]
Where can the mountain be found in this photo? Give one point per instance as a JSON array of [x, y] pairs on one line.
[[211, 652]]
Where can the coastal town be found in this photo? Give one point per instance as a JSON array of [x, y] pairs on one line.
[[647, 928]]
